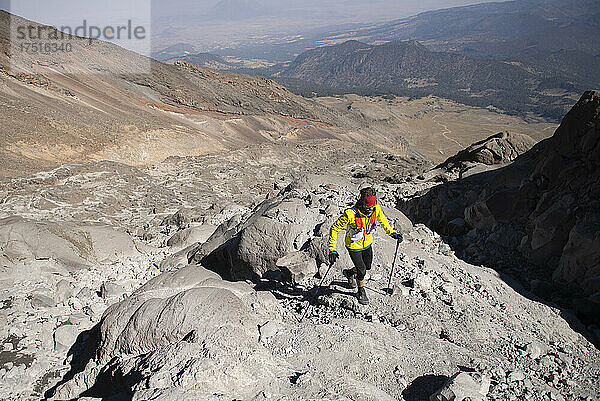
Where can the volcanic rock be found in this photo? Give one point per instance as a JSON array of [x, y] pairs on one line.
[[296, 266], [187, 327], [463, 386], [72, 245], [501, 148], [111, 290], [65, 336], [42, 301], [543, 205], [184, 238]]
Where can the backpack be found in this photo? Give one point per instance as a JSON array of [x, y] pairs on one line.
[[361, 231]]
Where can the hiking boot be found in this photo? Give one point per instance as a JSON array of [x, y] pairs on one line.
[[350, 276], [362, 296]]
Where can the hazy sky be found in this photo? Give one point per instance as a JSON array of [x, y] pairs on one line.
[[365, 10], [209, 24]]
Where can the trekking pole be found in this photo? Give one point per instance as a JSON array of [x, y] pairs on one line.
[[316, 292], [390, 290]]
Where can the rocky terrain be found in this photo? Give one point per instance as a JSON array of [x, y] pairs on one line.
[[195, 275], [188, 279], [498, 149], [78, 238], [535, 217]]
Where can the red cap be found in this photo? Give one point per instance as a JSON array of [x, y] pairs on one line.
[[370, 200]]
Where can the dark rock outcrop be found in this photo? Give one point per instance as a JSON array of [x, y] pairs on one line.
[[501, 148], [541, 211]]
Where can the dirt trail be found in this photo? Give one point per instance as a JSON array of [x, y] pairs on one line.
[[447, 131]]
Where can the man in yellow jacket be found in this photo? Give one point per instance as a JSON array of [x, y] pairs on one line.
[[359, 221]]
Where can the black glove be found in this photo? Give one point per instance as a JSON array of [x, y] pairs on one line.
[[333, 257], [398, 237]]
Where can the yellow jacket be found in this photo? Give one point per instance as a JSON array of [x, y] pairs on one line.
[[354, 240]]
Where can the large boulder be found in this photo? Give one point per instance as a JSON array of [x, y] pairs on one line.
[[72, 245], [501, 148], [279, 230], [250, 248], [187, 334]]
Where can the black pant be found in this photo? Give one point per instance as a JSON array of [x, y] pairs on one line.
[[362, 261]]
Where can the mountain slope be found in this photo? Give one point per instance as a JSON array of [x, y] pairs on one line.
[[539, 213], [86, 105], [189, 334], [409, 68], [554, 37]]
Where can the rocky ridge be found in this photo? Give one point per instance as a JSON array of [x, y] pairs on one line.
[[496, 150], [538, 213]]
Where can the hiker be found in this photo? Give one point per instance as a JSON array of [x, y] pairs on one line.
[[361, 220]]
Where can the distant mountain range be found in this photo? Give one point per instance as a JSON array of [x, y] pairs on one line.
[[407, 68], [511, 29], [252, 26], [550, 36], [525, 56], [496, 29]]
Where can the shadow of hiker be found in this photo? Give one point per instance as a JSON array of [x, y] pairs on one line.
[[282, 290], [423, 387]]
